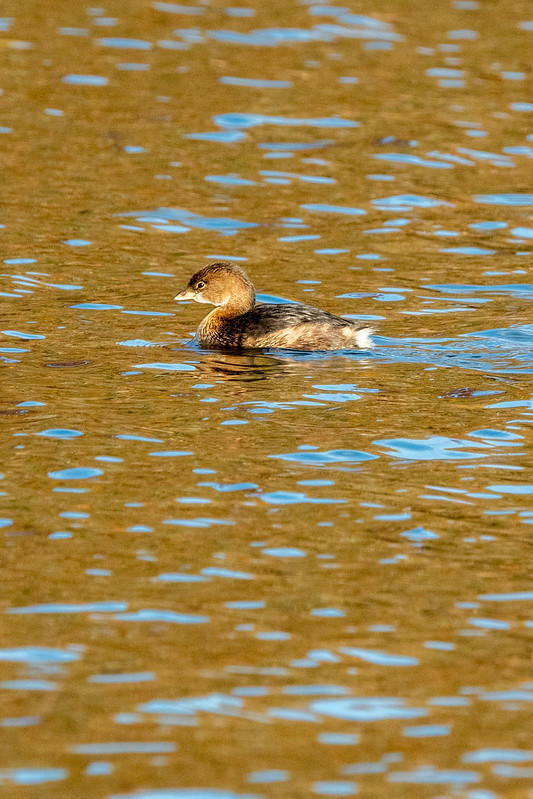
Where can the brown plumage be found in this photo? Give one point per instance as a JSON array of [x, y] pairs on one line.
[[239, 321]]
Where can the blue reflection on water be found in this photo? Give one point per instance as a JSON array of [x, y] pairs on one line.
[[19, 334], [338, 739], [176, 8], [284, 552], [136, 342], [130, 67], [213, 571], [295, 497], [426, 730], [408, 202], [255, 83], [333, 209], [240, 12], [212, 703], [61, 607], [519, 596], [274, 635], [98, 769], [28, 685], [20, 721], [488, 226], [85, 80], [431, 448], [182, 793], [379, 658], [498, 351], [170, 453], [96, 306], [127, 437], [229, 180], [270, 173], [296, 146], [498, 756], [419, 534], [59, 433], [379, 708], [229, 487], [267, 37], [444, 72], [523, 232], [223, 136], [32, 776], [168, 367], [34, 654], [180, 577], [299, 238], [76, 473], [120, 747], [147, 313], [489, 624], [199, 522], [123, 43], [428, 775], [268, 776], [243, 120], [169, 616], [468, 251], [73, 31], [364, 768], [414, 160], [516, 199], [328, 613], [334, 788], [507, 696], [222, 225], [332, 456]]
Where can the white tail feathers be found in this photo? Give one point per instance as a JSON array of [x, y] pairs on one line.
[[363, 338]]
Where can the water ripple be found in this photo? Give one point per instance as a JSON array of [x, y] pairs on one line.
[[168, 616], [367, 709], [328, 457], [222, 225], [32, 776], [409, 202], [62, 607], [517, 199], [428, 775], [378, 658], [433, 448], [242, 120], [37, 655]]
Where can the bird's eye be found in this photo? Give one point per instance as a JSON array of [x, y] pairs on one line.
[[200, 285]]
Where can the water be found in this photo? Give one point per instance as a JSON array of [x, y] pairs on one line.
[[280, 573]]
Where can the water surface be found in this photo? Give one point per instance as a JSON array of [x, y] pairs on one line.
[[266, 573]]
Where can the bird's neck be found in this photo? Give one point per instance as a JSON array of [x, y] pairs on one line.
[[237, 305]]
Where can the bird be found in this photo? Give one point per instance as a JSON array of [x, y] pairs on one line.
[[240, 322]]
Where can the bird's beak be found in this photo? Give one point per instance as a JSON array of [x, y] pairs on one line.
[[186, 294]]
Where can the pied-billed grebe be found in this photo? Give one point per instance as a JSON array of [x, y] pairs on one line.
[[240, 321]]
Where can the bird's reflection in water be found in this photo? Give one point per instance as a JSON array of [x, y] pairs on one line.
[[254, 364], [245, 365]]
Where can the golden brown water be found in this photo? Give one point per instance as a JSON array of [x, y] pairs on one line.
[[266, 574]]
